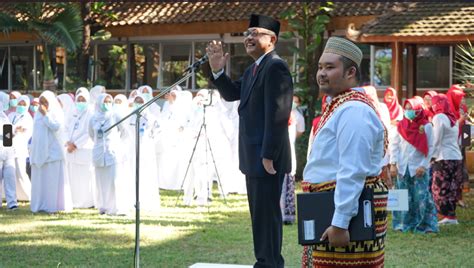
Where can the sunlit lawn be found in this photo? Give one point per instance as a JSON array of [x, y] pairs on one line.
[[177, 236]]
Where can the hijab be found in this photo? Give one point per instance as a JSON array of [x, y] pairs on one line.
[[413, 130], [455, 95], [67, 103], [429, 110], [440, 105], [41, 139], [393, 106]]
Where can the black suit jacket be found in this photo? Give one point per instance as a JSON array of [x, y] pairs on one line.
[[264, 110]]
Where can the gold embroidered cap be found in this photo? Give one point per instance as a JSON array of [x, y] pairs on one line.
[[344, 47]]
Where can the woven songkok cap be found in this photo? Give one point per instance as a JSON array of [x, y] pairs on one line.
[[344, 47]]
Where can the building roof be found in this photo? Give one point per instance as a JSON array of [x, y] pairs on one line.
[[423, 21], [188, 12], [136, 13]]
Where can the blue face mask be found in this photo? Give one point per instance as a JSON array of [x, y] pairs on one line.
[[106, 107], [137, 105], [21, 109], [5, 107], [81, 106], [34, 108], [13, 103], [410, 114], [147, 96]]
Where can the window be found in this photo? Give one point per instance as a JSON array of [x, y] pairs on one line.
[[111, 66], [382, 65], [3, 67], [22, 67], [204, 72], [432, 67], [365, 64], [239, 60], [145, 65], [176, 58]]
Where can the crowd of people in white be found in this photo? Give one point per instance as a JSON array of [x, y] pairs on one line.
[[76, 164]]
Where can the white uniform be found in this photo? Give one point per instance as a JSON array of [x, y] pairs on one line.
[[149, 190], [79, 162], [108, 158], [173, 143], [50, 189], [7, 160], [20, 145]]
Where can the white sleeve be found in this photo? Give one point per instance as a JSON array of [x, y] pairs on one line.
[[359, 129], [429, 135], [438, 134], [300, 127], [394, 146], [216, 75]]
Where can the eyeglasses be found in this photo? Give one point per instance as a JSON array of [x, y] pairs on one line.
[[253, 33]]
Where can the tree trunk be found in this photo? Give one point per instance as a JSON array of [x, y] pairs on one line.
[[48, 77], [84, 54]]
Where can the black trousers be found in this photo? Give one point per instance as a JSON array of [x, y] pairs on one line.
[[267, 226]]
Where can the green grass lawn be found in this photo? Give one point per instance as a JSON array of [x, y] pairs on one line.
[[177, 236]]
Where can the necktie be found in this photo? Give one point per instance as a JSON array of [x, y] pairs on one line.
[[254, 70]]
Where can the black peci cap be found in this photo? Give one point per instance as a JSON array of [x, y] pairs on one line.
[[265, 22]]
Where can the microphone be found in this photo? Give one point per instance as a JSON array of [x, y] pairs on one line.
[[197, 63]]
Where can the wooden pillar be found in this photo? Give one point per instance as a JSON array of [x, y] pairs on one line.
[[397, 69], [411, 60]]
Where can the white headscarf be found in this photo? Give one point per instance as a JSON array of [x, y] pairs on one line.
[[95, 93], [81, 89], [40, 139], [149, 89], [121, 108], [4, 101], [26, 99], [100, 115], [86, 96], [154, 108], [67, 104]]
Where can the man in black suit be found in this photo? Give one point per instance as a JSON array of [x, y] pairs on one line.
[[265, 92]]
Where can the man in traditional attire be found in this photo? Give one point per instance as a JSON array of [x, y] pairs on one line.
[[345, 157], [265, 92]]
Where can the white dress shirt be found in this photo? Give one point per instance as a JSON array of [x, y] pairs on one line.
[[348, 148], [406, 155], [445, 139]]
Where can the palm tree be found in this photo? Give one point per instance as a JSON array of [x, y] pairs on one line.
[[55, 24], [465, 61]]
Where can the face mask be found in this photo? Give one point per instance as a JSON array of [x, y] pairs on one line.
[[5, 106], [147, 96], [136, 105], [21, 109], [34, 108], [13, 103], [81, 106], [106, 107], [410, 114]]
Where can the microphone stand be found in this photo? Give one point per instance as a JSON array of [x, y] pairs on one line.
[[189, 71]]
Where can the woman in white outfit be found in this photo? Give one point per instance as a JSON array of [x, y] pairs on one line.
[[147, 93], [7, 161], [108, 155], [172, 142], [50, 190], [79, 153], [121, 105], [22, 130], [149, 190]]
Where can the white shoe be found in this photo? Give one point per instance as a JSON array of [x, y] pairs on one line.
[[446, 221]]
